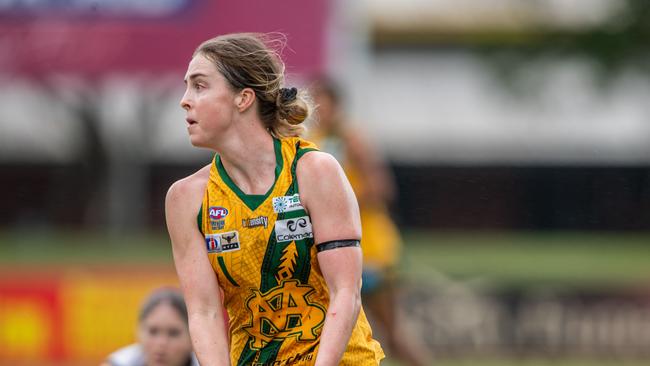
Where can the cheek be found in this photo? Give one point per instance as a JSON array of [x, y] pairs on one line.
[[147, 341], [182, 343], [179, 347]]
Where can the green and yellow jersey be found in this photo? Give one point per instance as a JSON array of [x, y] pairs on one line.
[[262, 250]]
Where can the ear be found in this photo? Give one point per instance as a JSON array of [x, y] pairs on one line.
[[244, 99]]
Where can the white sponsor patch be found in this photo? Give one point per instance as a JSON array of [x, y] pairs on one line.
[[223, 242], [286, 203], [293, 229]]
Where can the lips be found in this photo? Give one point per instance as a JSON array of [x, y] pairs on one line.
[[190, 121]]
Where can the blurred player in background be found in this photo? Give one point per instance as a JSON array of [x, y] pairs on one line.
[[374, 187], [270, 228], [163, 334]]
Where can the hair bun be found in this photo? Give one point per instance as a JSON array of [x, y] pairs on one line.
[[291, 107], [288, 94]]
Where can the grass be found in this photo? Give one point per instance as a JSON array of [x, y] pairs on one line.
[[561, 259], [497, 258], [61, 247], [529, 362], [500, 258]]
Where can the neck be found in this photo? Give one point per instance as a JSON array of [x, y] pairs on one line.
[[248, 155]]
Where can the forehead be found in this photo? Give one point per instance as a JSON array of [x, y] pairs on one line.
[[164, 313], [200, 65]]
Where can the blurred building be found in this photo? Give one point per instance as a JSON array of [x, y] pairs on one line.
[[492, 107]]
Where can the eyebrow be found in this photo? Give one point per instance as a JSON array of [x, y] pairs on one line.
[[194, 76]]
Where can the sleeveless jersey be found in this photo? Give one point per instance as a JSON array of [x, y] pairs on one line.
[[262, 250], [381, 239]]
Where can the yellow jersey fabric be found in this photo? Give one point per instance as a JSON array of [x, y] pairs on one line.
[[262, 250], [381, 241]]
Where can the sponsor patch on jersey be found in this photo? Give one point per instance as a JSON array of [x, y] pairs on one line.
[[213, 243], [223, 242], [218, 224], [217, 212], [293, 229], [230, 241], [287, 203], [255, 221]]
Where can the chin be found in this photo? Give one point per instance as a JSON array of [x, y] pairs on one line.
[[197, 142]]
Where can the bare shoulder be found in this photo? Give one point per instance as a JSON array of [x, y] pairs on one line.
[[188, 189], [317, 163], [314, 160]]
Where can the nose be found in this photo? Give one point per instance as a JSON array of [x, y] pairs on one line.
[[160, 343], [185, 101]]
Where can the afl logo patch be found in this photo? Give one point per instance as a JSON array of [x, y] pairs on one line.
[[217, 212]]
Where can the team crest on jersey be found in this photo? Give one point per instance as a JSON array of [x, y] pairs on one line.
[[222, 242], [217, 212], [282, 312], [293, 229], [287, 203]]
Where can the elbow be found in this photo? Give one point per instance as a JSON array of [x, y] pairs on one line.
[[351, 297], [205, 316], [356, 305]]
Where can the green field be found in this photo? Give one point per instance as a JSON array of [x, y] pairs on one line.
[[549, 362], [497, 258], [558, 260], [522, 259]]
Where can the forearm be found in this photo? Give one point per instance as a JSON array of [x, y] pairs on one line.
[[209, 338], [341, 317]]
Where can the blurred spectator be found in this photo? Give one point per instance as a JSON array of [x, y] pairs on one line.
[[163, 334], [374, 187]]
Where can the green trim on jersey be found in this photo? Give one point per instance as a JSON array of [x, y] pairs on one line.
[[222, 264], [253, 201], [199, 219], [302, 152]]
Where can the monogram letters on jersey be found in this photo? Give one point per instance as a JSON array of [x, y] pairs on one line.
[[277, 314]]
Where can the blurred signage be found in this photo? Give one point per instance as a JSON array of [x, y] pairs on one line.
[[72, 315], [141, 8], [93, 38]]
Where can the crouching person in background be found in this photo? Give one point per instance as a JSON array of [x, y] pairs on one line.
[[163, 334]]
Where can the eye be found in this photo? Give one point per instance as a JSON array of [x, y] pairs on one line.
[[174, 333], [153, 331], [199, 86]]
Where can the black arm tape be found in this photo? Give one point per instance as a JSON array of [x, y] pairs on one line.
[[333, 244]]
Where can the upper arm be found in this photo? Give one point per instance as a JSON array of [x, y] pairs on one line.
[[326, 194], [328, 197], [195, 273]]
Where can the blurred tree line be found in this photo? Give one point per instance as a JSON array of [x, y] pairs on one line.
[[620, 43]]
